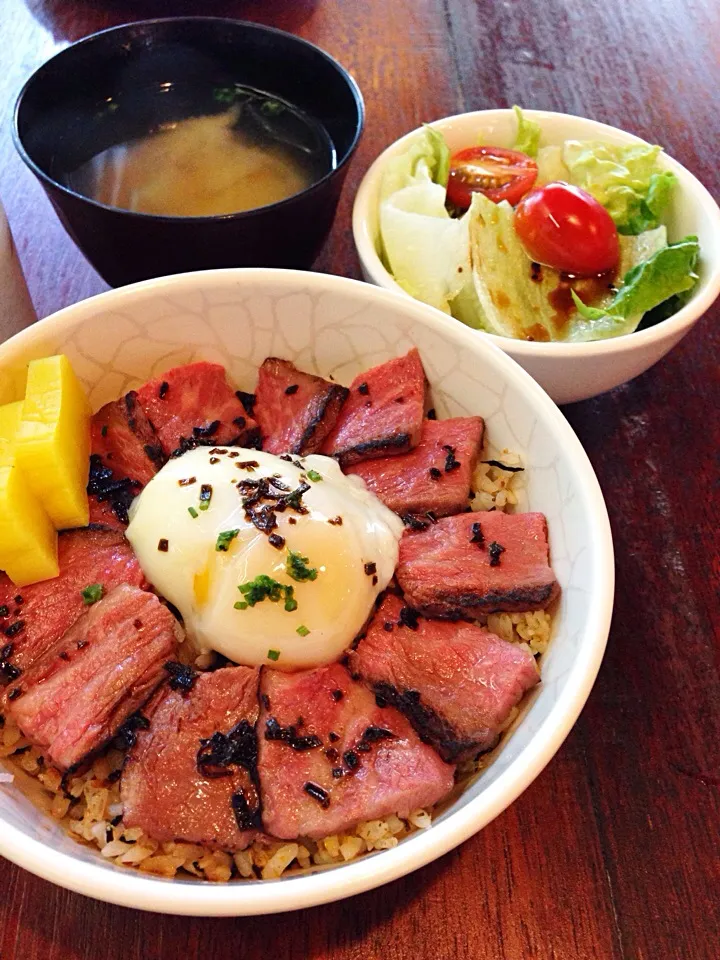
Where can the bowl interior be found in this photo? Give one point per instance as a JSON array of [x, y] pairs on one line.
[[692, 210], [88, 97], [329, 325]]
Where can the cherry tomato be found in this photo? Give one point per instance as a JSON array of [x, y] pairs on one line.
[[566, 228], [498, 173]]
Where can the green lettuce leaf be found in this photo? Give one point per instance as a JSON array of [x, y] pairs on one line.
[[427, 157], [625, 179], [426, 250], [550, 165], [665, 274], [527, 139]]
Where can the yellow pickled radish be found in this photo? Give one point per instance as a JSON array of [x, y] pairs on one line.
[[10, 417], [28, 540], [53, 441]]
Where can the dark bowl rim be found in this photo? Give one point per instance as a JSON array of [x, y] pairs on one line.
[[45, 177]]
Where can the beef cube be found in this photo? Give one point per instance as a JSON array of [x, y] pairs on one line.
[[477, 563], [103, 515], [124, 440], [435, 476], [194, 405], [80, 692], [296, 411], [383, 415], [192, 775], [46, 610], [330, 757], [455, 682]]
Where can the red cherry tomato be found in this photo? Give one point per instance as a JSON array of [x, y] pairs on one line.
[[566, 228], [498, 173]]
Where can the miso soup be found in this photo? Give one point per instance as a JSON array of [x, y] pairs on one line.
[[245, 150]]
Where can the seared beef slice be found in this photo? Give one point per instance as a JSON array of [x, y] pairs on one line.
[[383, 414], [456, 682], [46, 610], [124, 440], [105, 668], [191, 775], [435, 476], [330, 757], [295, 410], [194, 404], [477, 563]]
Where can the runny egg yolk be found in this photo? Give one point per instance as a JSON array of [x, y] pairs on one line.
[[291, 587]]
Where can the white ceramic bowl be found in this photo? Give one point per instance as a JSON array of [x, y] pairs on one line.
[[330, 325], [568, 372]]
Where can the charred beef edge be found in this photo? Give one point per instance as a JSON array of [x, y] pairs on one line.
[[429, 725], [372, 449], [334, 396], [451, 606]]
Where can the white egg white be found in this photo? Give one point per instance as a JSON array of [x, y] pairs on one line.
[[203, 581]]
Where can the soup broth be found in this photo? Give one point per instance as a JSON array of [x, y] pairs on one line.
[[246, 151]]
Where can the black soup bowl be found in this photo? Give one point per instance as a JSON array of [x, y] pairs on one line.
[[89, 97]]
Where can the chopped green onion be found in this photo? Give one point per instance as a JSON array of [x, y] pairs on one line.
[[302, 630], [193, 513], [314, 476], [225, 539], [264, 587], [205, 496], [240, 605], [297, 567], [273, 654], [92, 593]]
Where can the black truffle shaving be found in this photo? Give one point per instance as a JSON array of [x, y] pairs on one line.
[[247, 400], [431, 415], [164, 387], [317, 793], [503, 466], [414, 522], [223, 750], [15, 628], [4, 611], [289, 735], [477, 535], [275, 540], [370, 569], [118, 493], [8, 671], [364, 389], [352, 760], [408, 618], [375, 734], [207, 431], [247, 816], [450, 462], [337, 695], [435, 474], [182, 676], [126, 737], [495, 549], [293, 388]]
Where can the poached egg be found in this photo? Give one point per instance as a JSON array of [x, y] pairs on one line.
[[270, 560]]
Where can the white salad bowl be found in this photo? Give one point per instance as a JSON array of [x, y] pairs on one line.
[[330, 325], [567, 371]]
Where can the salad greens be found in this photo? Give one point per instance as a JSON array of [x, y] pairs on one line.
[[475, 268], [527, 139], [668, 272], [625, 179]]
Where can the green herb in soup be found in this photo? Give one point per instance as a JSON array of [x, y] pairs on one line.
[[246, 150]]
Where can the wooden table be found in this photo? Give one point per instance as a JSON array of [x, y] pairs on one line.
[[613, 852]]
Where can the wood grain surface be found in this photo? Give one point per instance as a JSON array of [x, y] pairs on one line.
[[614, 851]]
